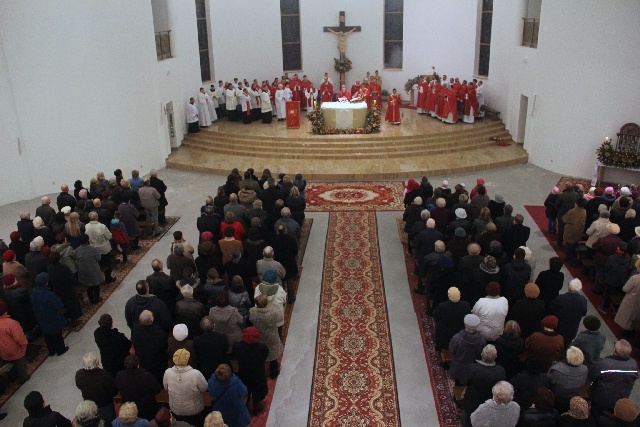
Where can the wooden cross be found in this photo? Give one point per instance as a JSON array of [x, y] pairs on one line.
[[341, 31]]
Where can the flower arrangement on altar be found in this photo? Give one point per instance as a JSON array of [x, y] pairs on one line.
[[372, 123], [408, 86], [342, 65], [624, 157]]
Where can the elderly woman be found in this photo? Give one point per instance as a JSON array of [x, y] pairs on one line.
[[227, 319], [465, 346], [567, 376], [628, 311], [529, 311], [542, 413], [480, 224], [296, 203], [185, 386], [128, 416], [178, 340], [227, 391], [500, 410], [266, 319], [481, 377], [578, 414], [87, 415], [164, 418], [449, 318], [492, 310], [252, 355], [510, 346], [89, 272], [97, 385], [214, 419], [47, 307]]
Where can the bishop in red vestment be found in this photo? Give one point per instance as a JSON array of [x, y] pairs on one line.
[[449, 112], [344, 93], [393, 108], [470, 105], [423, 89], [355, 88]]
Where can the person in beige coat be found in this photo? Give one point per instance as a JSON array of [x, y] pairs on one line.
[[598, 228], [629, 311], [574, 222], [265, 319], [185, 386]]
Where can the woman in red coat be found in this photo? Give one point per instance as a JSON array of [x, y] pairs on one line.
[[393, 108]]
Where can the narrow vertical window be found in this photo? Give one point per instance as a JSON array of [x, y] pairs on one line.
[[393, 17], [485, 38], [291, 45], [203, 41]]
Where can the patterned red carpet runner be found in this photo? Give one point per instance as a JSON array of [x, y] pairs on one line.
[[441, 384], [354, 196], [354, 380]]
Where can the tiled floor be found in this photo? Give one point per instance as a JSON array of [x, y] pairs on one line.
[[520, 185]]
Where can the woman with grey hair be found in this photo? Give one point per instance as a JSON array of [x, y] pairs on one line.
[[500, 410], [481, 377], [87, 415], [97, 385]]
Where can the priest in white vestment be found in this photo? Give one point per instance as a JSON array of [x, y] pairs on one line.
[[203, 109], [212, 109], [265, 104], [480, 98], [230, 95], [281, 103], [192, 116]]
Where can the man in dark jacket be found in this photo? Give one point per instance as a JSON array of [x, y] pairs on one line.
[[211, 348], [252, 355], [517, 275], [177, 262], [150, 344], [613, 378], [40, 415], [616, 272], [162, 286], [65, 199], [209, 221], [481, 377], [285, 248], [270, 195], [505, 222], [569, 308], [146, 301], [46, 212], [114, 346], [565, 202], [516, 237], [137, 385], [96, 385], [605, 246], [161, 187]]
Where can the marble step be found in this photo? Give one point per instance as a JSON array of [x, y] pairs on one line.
[[453, 161], [300, 152]]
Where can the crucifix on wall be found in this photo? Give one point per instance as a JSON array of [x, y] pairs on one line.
[[341, 31]]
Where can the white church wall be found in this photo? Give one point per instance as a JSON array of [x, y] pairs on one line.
[[580, 76], [86, 98], [247, 41]]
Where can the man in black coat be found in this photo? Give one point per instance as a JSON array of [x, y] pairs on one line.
[[150, 344], [569, 308], [211, 348], [65, 199], [41, 415], [97, 385], [516, 237], [137, 385], [424, 242], [162, 286], [505, 222], [270, 195], [114, 346], [209, 221], [481, 377], [145, 301], [517, 275], [285, 249], [46, 212], [252, 355], [161, 187]]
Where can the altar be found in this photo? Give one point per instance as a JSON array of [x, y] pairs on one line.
[[344, 115]]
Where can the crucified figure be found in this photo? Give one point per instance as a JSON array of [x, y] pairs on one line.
[[342, 39]]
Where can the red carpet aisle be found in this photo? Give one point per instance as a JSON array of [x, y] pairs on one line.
[[354, 196], [441, 384], [37, 350], [354, 380], [261, 419]]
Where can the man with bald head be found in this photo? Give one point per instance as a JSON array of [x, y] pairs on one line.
[[46, 212], [239, 211], [65, 199], [268, 263], [150, 344], [162, 286], [145, 301], [292, 226]]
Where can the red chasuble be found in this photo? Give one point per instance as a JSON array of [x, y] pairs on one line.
[[471, 101], [422, 95], [326, 92], [376, 94], [355, 89], [449, 105], [393, 109], [344, 94], [296, 89]]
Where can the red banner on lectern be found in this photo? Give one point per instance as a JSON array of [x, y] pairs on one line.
[[293, 114]]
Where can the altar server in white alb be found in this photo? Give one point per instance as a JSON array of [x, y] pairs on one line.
[[203, 109], [214, 94], [221, 99], [311, 95], [281, 102], [245, 100], [231, 102], [212, 108], [480, 97], [265, 104], [192, 116], [288, 93]]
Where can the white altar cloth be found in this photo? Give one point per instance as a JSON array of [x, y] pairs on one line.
[[344, 115]]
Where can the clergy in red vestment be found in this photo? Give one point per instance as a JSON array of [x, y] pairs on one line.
[[305, 84], [449, 112], [393, 108], [438, 99], [423, 89], [326, 91], [296, 88], [376, 93], [470, 105], [355, 88], [344, 94], [311, 96], [456, 85]]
